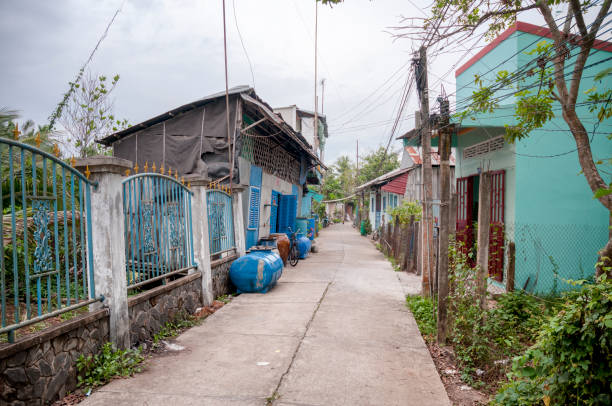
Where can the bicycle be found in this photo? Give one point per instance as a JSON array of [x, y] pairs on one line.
[[294, 253]]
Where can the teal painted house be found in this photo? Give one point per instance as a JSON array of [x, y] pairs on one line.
[[540, 201]]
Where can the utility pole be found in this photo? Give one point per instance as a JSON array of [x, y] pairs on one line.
[[426, 173], [316, 99], [322, 96], [444, 150], [227, 114], [360, 209]]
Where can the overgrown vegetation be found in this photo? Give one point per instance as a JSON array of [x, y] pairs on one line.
[[96, 370], [571, 361], [484, 342], [543, 351]]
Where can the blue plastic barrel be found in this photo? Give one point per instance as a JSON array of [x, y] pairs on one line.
[[311, 228], [303, 244], [257, 271]]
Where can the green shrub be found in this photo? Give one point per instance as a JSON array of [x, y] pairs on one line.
[[422, 309], [571, 362], [405, 211], [96, 370]]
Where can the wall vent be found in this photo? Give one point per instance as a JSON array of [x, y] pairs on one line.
[[476, 150]]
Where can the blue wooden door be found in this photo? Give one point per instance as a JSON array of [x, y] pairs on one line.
[[287, 212], [252, 232], [274, 211]]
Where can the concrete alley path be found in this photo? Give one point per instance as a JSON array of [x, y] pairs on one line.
[[334, 331]]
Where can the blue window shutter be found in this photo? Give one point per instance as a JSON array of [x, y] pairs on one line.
[[252, 232], [255, 176], [254, 199]]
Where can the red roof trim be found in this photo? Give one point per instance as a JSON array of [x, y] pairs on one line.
[[523, 27]]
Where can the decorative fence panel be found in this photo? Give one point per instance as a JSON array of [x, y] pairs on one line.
[[47, 261], [220, 222], [158, 228]]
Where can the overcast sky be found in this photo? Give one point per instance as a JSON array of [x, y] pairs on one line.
[[170, 52]]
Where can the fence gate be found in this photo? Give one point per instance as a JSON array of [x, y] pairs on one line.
[[220, 222], [158, 229], [46, 261]]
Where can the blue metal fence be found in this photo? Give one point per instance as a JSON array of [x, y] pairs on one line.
[[158, 228], [220, 222], [47, 261]]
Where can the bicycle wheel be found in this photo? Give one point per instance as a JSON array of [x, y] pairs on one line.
[[294, 255]]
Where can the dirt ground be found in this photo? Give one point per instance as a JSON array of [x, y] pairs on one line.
[[459, 393]]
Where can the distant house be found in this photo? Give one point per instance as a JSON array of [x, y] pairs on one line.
[[389, 190], [302, 121], [272, 162], [384, 193], [539, 201]]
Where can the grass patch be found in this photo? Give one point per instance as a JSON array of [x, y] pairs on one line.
[[422, 309], [225, 298], [96, 370], [174, 328]]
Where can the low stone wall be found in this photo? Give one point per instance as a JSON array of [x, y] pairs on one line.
[[41, 368], [150, 310], [221, 284]]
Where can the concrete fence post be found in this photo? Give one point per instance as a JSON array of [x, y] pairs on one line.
[[201, 243], [108, 240], [239, 236], [484, 226]]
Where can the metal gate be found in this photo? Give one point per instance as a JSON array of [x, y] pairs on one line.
[[46, 259], [220, 222], [158, 229]]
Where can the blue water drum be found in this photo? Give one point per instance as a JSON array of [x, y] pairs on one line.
[[257, 271], [311, 228], [303, 244]]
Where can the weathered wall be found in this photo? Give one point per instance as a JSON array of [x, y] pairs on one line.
[[42, 368], [220, 276], [150, 310]]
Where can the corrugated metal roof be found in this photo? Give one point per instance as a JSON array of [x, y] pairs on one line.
[[384, 178], [397, 185]]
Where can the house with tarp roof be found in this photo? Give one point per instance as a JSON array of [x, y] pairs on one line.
[[270, 162], [545, 223]]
